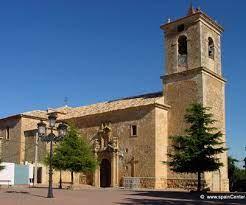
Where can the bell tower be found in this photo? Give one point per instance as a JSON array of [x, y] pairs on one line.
[[193, 74], [191, 42]]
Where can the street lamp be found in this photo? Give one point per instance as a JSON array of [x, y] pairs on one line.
[[245, 163], [50, 138]]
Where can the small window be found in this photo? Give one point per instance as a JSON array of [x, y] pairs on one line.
[[180, 28], [134, 130], [7, 133], [210, 48]]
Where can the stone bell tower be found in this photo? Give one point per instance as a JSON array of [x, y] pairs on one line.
[[193, 74]]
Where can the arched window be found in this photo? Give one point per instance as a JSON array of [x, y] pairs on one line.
[[182, 45], [182, 51], [210, 48]]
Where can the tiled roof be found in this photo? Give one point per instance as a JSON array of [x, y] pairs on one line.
[[36, 113], [118, 104], [43, 113], [114, 105]]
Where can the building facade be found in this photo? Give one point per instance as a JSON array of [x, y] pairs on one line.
[[130, 136]]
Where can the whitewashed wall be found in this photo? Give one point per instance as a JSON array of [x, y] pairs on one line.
[[8, 173]]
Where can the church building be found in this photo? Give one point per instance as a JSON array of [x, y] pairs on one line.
[[131, 136]]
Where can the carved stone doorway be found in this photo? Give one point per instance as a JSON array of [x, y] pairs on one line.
[[105, 173]]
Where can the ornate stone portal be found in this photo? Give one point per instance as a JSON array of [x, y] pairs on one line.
[[106, 151]]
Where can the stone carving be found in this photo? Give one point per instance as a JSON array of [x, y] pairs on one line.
[[96, 146], [104, 140], [106, 147]]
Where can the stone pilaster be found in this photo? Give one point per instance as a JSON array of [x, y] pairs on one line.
[[114, 169]]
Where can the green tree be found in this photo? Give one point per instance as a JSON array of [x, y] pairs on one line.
[[58, 163], [74, 154], [232, 172], [196, 152], [236, 175]]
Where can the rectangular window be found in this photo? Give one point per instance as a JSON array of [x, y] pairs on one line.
[[7, 133], [134, 131]]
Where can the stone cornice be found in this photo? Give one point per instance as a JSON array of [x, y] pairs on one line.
[[34, 117], [194, 71], [22, 115], [198, 15], [162, 106], [206, 70], [11, 117]]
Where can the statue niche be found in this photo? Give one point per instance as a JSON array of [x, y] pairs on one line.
[[104, 140]]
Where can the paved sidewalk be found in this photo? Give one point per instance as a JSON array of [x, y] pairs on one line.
[[37, 196]]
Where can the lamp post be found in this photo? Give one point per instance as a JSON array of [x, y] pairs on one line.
[[50, 138], [245, 163]]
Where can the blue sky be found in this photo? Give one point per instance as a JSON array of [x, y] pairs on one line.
[[92, 51]]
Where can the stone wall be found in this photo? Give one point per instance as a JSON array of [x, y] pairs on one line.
[[28, 132], [192, 33], [12, 148], [180, 90], [161, 144], [184, 184], [214, 97], [141, 147], [212, 64], [197, 33], [144, 182], [185, 88]]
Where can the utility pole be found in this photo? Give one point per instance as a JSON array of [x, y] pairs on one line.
[[36, 160]]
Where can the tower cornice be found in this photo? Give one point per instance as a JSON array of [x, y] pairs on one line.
[[194, 17], [182, 75]]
